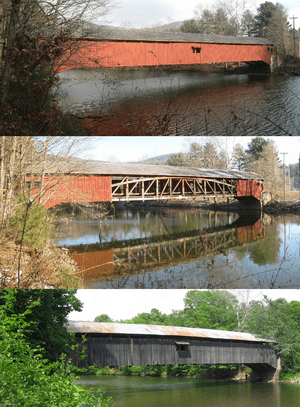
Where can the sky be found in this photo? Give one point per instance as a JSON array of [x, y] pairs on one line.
[[126, 304], [145, 13], [124, 149]]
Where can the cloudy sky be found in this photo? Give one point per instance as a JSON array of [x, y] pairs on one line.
[[124, 149], [145, 13], [125, 304]]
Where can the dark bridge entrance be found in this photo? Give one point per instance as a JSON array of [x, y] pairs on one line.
[[113, 344]]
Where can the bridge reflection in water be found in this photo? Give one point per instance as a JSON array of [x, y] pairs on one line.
[[108, 261]]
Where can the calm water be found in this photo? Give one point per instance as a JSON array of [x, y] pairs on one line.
[[183, 248], [128, 391], [187, 103]]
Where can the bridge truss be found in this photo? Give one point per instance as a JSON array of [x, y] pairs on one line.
[[155, 188]]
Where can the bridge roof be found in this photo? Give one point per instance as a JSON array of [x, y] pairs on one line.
[[123, 170], [158, 330], [122, 34]]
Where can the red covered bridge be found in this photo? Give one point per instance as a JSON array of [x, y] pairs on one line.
[[98, 182], [117, 47]]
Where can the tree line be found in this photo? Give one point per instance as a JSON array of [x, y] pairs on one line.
[[222, 310], [238, 18], [261, 156]]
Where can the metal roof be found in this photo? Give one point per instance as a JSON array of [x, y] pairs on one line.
[[158, 330], [122, 34], [123, 170]]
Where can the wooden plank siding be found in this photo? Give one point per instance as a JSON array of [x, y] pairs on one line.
[[246, 188], [74, 188], [95, 54], [130, 350]]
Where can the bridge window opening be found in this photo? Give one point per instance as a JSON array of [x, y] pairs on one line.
[[182, 346], [196, 50]]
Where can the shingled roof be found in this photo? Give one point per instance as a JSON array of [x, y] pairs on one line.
[[122, 34]]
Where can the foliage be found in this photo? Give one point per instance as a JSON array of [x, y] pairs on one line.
[[255, 147], [37, 230], [26, 378], [155, 317], [47, 318], [263, 17], [207, 310], [278, 319], [211, 22], [103, 318]]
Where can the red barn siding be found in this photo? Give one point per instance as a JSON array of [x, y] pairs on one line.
[[246, 187], [74, 188], [133, 53]]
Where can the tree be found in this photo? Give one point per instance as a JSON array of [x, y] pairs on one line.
[[210, 22], [26, 378], [47, 318], [177, 160], [103, 318], [247, 23], [207, 310], [238, 157], [277, 31], [275, 320], [190, 26], [263, 17], [267, 166], [255, 148], [155, 317]]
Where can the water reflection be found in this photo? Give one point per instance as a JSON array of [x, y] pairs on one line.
[[149, 103], [169, 248], [192, 392]]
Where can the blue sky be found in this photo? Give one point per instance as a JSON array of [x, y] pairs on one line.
[[125, 304], [123, 149], [143, 13]]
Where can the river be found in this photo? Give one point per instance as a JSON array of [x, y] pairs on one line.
[[130, 391], [141, 103], [161, 247]]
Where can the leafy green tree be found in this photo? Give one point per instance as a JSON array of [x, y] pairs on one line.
[[103, 318], [155, 317], [247, 23], [26, 378], [207, 310], [47, 318], [276, 320]]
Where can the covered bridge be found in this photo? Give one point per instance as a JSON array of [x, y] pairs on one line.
[[119, 47], [103, 182], [114, 344]]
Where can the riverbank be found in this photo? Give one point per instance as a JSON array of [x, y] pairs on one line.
[[229, 372]]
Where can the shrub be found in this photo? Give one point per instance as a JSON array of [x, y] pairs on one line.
[[26, 379]]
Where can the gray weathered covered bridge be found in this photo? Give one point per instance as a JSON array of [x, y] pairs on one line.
[[114, 344]]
